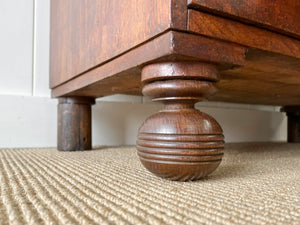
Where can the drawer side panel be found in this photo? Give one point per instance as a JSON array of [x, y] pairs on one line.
[[87, 33]]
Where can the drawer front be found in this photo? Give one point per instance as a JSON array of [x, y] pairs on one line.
[[281, 15], [226, 29]]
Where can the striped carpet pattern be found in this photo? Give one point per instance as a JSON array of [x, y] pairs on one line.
[[256, 183]]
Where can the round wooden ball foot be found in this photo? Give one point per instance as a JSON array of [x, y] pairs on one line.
[[180, 152], [180, 142]]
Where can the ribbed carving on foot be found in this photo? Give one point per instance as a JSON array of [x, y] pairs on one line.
[[180, 157]]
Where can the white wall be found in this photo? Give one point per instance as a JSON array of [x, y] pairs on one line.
[[16, 43], [28, 115]]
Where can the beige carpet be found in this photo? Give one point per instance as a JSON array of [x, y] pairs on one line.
[[255, 184]]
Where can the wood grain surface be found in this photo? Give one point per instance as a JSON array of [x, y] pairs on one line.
[[85, 34], [74, 131], [281, 16], [262, 78], [237, 32], [180, 142], [266, 78], [123, 73], [257, 65]]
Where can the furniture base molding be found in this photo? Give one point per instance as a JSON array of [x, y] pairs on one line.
[[74, 123], [179, 142], [293, 114]]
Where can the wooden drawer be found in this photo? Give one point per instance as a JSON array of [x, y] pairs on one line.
[[280, 15]]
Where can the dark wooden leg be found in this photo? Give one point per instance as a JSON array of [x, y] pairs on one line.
[[180, 142], [74, 123], [293, 114]]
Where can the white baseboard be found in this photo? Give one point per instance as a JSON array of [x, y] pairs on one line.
[[31, 121], [27, 121]]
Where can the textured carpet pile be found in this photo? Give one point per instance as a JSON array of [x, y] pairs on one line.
[[255, 184]]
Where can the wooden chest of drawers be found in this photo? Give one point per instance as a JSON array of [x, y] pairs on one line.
[[177, 52]]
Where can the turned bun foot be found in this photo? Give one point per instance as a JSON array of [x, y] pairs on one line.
[[180, 142]]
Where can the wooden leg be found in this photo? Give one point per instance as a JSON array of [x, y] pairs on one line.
[[74, 123], [293, 114], [180, 142]]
